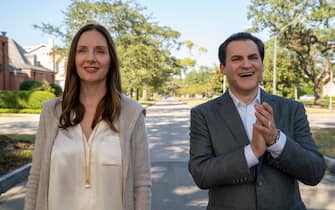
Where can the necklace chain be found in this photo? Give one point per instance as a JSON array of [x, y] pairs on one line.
[[88, 163]]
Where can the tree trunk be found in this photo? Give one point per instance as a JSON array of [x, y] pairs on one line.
[[131, 92], [295, 92], [137, 94]]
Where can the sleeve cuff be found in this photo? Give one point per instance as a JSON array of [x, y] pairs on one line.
[[250, 156], [277, 148]]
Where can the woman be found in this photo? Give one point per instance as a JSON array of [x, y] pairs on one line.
[[91, 149]]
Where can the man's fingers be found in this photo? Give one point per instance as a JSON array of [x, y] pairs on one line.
[[267, 107]]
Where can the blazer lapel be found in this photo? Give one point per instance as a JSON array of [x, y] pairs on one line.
[[229, 114]]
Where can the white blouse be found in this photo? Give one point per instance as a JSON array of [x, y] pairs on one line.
[[68, 171]]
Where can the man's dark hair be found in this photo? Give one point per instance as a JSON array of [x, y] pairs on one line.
[[236, 37]]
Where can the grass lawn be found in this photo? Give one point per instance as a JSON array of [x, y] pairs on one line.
[[325, 140], [15, 151]]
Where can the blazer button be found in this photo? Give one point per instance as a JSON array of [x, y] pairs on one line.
[[259, 183]]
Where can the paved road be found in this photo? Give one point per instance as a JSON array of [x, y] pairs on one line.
[[173, 188], [18, 123], [322, 120]]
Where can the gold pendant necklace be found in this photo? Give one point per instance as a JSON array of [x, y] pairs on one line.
[[88, 161]]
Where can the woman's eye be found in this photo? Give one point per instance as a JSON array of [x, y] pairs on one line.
[[100, 51], [81, 50]]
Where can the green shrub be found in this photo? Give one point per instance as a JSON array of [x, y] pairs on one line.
[[14, 99], [37, 98], [24, 99], [41, 85], [56, 89], [30, 85], [45, 86], [22, 111]]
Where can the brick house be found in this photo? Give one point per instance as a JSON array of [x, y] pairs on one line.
[[18, 66]]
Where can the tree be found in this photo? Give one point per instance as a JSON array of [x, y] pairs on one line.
[[143, 46], [287, 71], [300, 26], [199, 82]]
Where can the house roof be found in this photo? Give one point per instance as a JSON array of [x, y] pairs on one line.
[[34, 48], [18, 59]]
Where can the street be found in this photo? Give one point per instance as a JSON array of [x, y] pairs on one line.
[[168, 131], [173, 188]]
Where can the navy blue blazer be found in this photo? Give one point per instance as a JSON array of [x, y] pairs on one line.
[[217, 161]]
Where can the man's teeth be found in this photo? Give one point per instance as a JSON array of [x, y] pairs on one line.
[[247, 74]]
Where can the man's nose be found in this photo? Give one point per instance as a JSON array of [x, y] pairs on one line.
[[246, 63]]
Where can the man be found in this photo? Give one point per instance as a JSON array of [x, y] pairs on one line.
[[250, 148]]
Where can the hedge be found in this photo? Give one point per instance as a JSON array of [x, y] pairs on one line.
[[24, 99], [20, 111], [30, 85]]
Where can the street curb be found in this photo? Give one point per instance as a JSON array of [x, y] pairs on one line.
[[330, 164], [11, 179]]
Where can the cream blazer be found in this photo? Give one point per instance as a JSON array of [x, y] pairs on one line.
[[135, 156]]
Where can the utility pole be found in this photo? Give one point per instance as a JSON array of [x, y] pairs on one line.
[[331, 91], [274, 79]]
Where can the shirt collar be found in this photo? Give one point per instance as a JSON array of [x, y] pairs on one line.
[[237, 102]]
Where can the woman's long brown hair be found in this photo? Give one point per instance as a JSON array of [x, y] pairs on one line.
[[109, 107]]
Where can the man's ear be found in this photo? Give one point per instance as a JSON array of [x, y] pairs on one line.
[[222, 69]]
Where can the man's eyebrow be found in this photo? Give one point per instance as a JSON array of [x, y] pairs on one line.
[[236, 56], [253, 55]]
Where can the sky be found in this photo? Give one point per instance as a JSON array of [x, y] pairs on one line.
[[206, 23]]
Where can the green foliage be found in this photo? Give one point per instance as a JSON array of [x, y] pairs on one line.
[[14, 99], [288, 72], [305, 89], [187, 62], [144, 47], [21, 111], [37, 98], [21, 137], [189, 44], [30, 85], [43, 86], [199, 82], [24, 99], [305, 28], [56, 89]]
